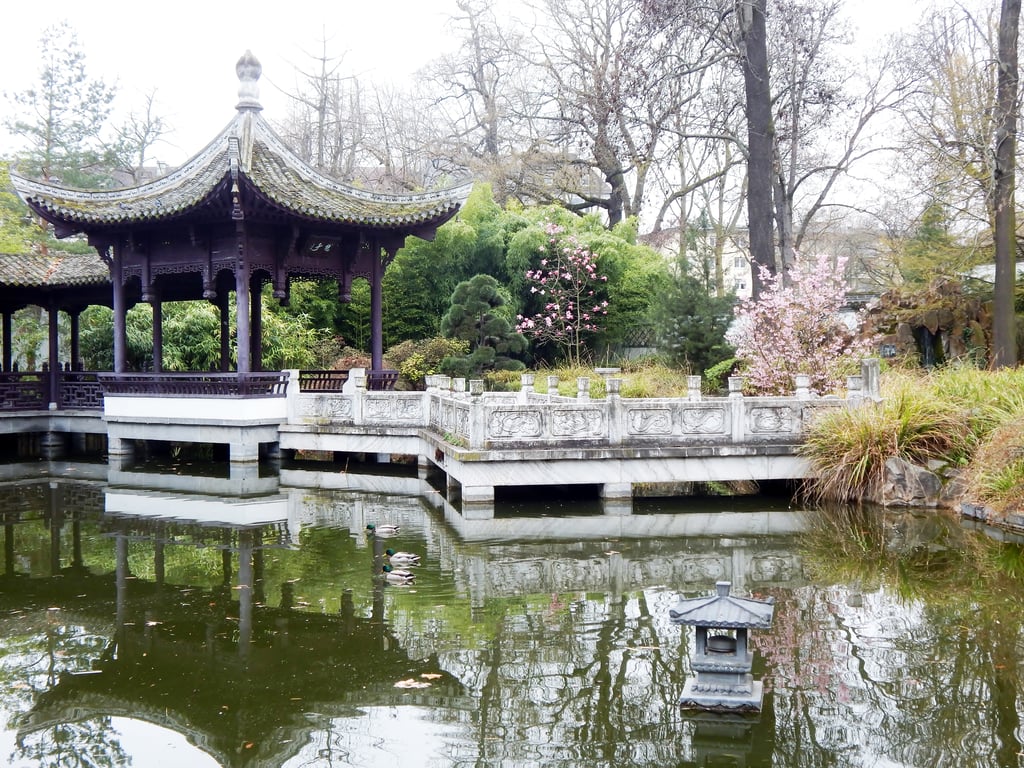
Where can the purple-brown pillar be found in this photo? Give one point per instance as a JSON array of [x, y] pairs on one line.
[[54, 374], [256, 323], [376, 309], [120, 310], [8, 319]]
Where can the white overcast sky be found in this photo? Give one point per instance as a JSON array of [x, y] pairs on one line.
[[186, 49]]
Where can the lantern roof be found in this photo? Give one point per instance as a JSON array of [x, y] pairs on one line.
[[724, 610]]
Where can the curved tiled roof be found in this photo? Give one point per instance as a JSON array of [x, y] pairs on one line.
[[723, 610], [249, 153], [52, 270]]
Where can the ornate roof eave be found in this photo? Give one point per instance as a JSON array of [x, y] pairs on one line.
[[246, 153]]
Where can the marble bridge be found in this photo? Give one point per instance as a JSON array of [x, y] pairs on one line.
[[483, 441], [475, 443]]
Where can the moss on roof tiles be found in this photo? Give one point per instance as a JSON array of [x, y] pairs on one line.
[[52, 270], [271, 167]]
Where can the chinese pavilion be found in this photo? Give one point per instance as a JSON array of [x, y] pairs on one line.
[[244, 212]]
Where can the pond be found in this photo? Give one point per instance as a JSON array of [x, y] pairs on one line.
[[142, 625]]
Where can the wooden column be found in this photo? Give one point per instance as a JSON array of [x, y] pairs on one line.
[[120, 310], [242, 306], [376, 308], [8, 320], [52, 314], [158, 335], [256, 323]]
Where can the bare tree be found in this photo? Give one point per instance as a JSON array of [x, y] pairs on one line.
[[479, 92], [612, 90], [1004, 337]]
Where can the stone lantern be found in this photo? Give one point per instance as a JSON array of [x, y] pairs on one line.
[[723, 661]]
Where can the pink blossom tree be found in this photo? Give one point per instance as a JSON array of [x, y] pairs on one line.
[[798, 330], [565, 282]]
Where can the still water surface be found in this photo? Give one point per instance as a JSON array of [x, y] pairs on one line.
[[146, 627]]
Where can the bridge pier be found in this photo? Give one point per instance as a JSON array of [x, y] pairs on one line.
[[617, 498]]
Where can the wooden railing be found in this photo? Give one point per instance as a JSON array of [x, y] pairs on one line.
[[28, 391], [260, 384], [81, 390], [334, 381], [379, 381], [322, 381]]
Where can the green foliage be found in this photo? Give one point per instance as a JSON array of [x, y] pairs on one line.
[[479, 316], [690, 323], [416, 360], [848, 447], [933, 251], [191, 338], [17, 232], [63, 115], [716, 377]]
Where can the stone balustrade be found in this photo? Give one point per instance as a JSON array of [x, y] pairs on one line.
[[464, 415]]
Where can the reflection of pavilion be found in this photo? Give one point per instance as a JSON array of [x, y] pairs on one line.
[[233, 674]]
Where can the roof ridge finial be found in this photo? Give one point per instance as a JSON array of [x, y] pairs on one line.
[[248, 70]]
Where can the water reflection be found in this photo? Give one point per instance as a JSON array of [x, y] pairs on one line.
[[147, 620]]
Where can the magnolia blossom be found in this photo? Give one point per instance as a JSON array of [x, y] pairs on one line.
[[797, 329], [567, 273]]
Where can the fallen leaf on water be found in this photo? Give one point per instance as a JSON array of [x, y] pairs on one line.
[[430, 675], [411, 683]]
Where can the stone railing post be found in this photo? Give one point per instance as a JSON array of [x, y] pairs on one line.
[[477, 417], [358, 394], [693, 388], [292, 395], [737, 408], [871, 373], [614, 409], [803, 386], [525, 387], [583, 388], [854, 389], [552, 386], [458, 387]]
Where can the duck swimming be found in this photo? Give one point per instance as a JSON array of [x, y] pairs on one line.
[[398, 576], [402, 558], [384, 529]]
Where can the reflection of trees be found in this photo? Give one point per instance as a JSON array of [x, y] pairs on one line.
[[922, 670], [582, 679], [88, 744], [30, 662]]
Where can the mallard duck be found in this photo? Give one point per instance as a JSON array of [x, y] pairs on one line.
[[402, 558], [398, 576], [384, 529]]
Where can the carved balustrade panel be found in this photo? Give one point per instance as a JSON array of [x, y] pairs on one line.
[[393, 408]]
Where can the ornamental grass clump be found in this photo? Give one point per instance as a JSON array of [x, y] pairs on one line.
[[848, 448], [996, 476]]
